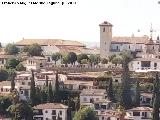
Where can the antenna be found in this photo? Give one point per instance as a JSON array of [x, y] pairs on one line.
[[151, 32]]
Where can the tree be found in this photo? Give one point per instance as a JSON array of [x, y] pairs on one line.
[[44, 94], [35, 50], [12, 78], [110, 92], [84, 61], [81, 57], [46, 80], [94, 59], [116, 60], [20, 67], [156, 104], [25, 49], [104, 61], [85, 113], [72, 57], [65, 60], [56, 57], [12, 63], [125, 87], [33, 90], [11, 49], [21, 111], [3, 75], [111, 57], [5, 102], [50, 93], [137, 97], [56, 91]]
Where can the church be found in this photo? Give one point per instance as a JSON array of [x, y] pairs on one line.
[[147, 51]]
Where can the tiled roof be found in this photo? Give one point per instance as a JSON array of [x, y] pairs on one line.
[[50, 106], [5, 56], [56, 42], [132, 40], [147, 59], [93, 92], [141, 109], [78, 82], [5, 83]]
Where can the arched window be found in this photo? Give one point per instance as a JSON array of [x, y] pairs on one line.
[[104, 29]]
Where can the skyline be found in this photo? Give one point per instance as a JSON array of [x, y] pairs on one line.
[[79, 21]]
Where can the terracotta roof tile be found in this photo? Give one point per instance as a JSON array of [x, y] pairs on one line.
[[51, 106], [56, 42]]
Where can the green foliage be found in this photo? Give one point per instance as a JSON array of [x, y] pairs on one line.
[[94, 59], [33, 90], [44, 94], [12, 78], [20, 67], [5, 102], [21, 110], [57, 91], [12, 63], [71, 57], [50, 93], [104, 61], [11, 49], [84, 61], [116, 60], [125, 88], [111, 57], [85, 113], [65, 60], [35, 50], [56, 57], [138, 95], [25, 49], [110, 92], [156, 104], [3, 75], [80, 57]]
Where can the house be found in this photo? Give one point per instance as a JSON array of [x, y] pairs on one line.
[[35, 63], [50, 111], [77, 85], [141, 113], [146, 99], [114, 115], [3, 59], [89, 96]]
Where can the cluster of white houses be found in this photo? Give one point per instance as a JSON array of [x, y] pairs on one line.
[[147, 58]]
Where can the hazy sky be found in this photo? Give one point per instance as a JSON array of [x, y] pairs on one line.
[[79, 21]]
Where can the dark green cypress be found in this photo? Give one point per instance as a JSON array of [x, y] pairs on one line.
[[138, 94], [50, 93], [56, 92], [156, 104], [110, 92], [33, 90]]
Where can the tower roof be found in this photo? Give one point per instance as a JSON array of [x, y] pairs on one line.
[[105, 23]]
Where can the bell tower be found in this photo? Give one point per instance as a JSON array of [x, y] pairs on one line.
[[105, 39]]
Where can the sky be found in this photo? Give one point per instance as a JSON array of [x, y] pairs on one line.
[[79, 21]]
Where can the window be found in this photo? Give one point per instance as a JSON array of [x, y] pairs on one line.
[[53, 117], [103, 106], [137, 62], [102, 118], [46, 118], [60, 112], [97, 99], [84, 99], [29, 83], [116, 80], [153, 47], [129, 46], [144, 114], [23, 83], [21, 92], [53, 112], [46, 111], [104, 29], [155, 64], [136, 113], [1, 89]]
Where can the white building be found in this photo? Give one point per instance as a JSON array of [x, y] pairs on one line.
[[35, 63], [88, 96], [50, 111], [146, 99], [141, 113]]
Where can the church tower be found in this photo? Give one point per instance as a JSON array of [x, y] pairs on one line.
[[105, 39]]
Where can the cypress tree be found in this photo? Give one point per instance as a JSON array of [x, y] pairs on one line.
[[156, 99], [33, 90], [46, 80], [125, 100], [110, 92], [56, 92], [50, 93], [12, 76], [138, 94]]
